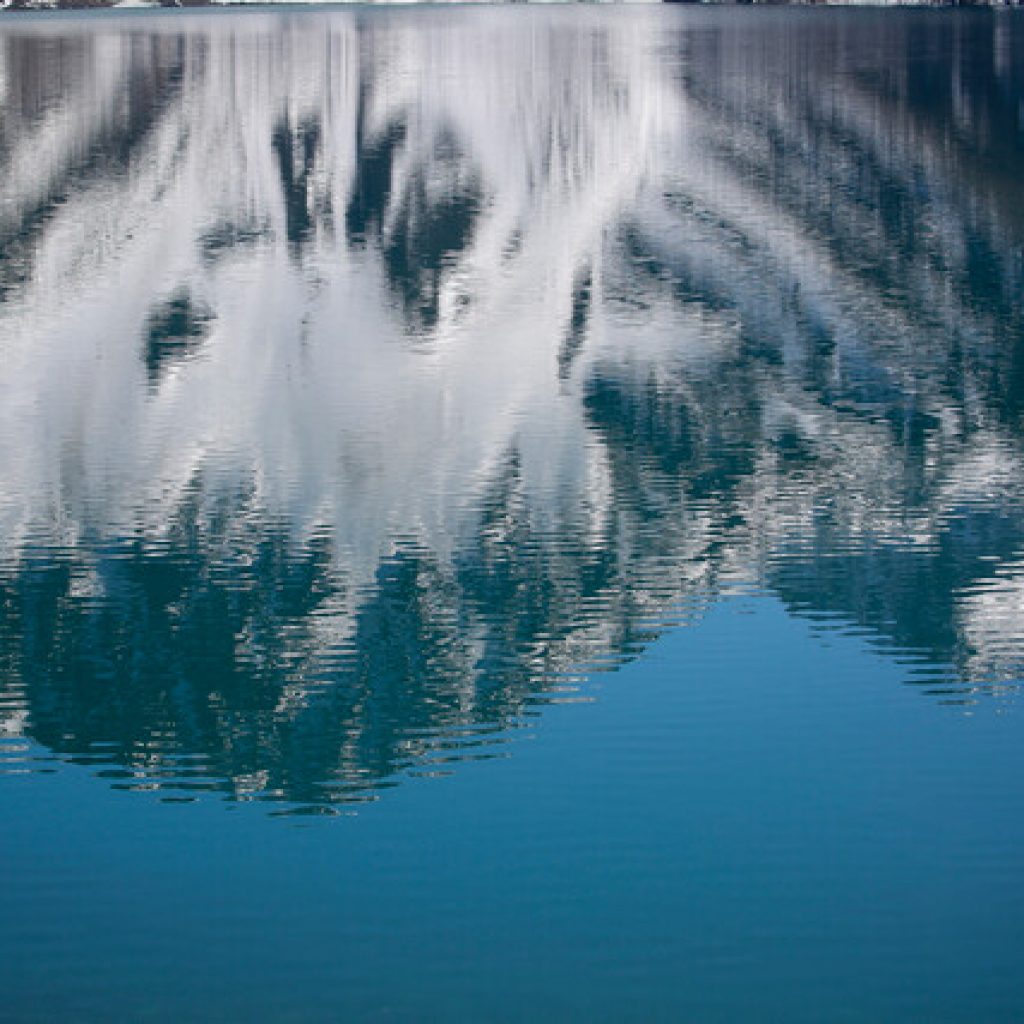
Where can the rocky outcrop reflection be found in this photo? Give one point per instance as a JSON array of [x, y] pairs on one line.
[[370, 379]]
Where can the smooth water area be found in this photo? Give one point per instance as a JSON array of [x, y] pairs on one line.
[[512, 514]]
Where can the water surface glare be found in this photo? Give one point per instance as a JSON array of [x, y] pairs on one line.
[[381, 390]]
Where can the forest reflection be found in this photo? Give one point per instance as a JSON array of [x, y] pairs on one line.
[[368, 379]]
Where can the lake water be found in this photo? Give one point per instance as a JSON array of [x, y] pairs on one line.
[[512, 515]]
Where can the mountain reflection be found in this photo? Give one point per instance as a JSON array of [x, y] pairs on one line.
[[368, 377]]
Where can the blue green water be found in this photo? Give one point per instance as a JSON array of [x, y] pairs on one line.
[[512, 514]]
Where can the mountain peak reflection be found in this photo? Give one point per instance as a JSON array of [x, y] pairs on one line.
[[365, 378]]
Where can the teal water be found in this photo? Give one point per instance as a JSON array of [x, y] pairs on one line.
[[512, 514]]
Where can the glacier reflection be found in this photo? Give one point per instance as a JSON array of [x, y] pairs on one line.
[[367, 377]]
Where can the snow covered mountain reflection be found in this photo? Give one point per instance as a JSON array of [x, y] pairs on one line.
[[368, 375]]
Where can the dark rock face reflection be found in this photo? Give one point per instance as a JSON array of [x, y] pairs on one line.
[[369, 378]]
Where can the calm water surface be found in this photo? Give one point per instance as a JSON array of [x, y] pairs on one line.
[[512, 514]]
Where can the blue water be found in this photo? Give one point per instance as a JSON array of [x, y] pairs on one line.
[[753, 821], [512, 514]]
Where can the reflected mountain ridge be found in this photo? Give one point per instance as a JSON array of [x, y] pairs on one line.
[[368, 383]]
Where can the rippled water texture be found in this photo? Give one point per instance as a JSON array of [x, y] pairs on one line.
[[374, 382]]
